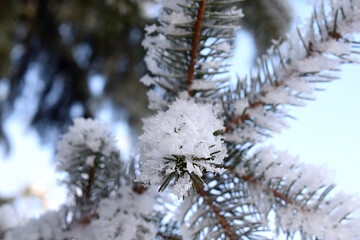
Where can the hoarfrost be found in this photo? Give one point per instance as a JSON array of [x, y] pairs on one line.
[[120, 217], [84, 134], [186, 131]]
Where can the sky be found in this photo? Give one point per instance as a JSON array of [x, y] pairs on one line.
[[326, 131]]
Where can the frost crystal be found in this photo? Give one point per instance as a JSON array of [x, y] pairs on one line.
[[181, 143], [87, 152], [86, 133]]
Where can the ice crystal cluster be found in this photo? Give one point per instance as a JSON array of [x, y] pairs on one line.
[[181, 144], [89, 135], [87, 152]]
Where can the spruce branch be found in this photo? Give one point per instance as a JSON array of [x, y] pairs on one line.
[[90, 181], [286, 76], [179, 145], [221, 218], [89, 155], [222, 210], [188, 48], [274, 192], [297, 193], [121, 216]]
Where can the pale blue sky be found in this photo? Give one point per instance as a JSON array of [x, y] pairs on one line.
[[327, 130]]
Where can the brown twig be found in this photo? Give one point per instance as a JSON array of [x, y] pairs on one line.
[[311, 50], [90, 182], [275, 193], [195, 44], [222, 221], [241, 118]]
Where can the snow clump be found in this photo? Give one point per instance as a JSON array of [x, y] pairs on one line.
[[178, 145]]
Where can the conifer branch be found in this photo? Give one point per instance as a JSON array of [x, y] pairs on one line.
[[277, 182], [256, 100], [90, 181], [221, 218], [195, 44], [272, 191]]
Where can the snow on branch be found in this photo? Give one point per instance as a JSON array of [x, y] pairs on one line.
[[223, 210], [87, 152], [186, 49], [119, 217], [287, 75], [299, 195], [179, 144]]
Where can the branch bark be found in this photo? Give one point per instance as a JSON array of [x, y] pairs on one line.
[[221, 219], [195, 45], [275, 193]]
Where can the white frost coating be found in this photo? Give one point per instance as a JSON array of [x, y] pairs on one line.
[[152, 43], [120, 217], [84, 134], [299, 85], [8, 217], [266, 119], [149, 29], [182, 186], [147, 80], [234, 11], [280, 95], [47, 227], [203, 85], [244, 134], [352, 23], [335, 47], [90, 160], [152, 64], [175, 18], [315, 64], [174, 5], [323, 219], [240, 105], [155, 101], [186, 129], [223, 47], [211, 64]]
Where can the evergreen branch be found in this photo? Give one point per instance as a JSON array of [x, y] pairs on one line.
[[117, 217], [217, 213], [192, 45], [90, 181], [224, 211], [277, 182], [195, 43], [255, 108], [271, 191]]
